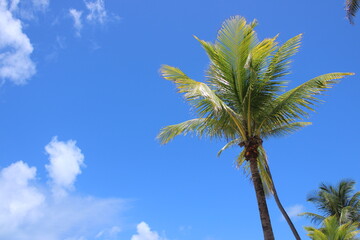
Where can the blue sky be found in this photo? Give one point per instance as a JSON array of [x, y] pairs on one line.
[[82, 101]]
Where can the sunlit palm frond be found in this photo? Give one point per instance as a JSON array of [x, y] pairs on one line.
[[258, 92], [316, 234], [234, 42], [205, 101], [284, 130], [232, 143], [197, 93], [280, 63], [332, 230], [200, 127], [270, 83], [294, 103], [222, 76]]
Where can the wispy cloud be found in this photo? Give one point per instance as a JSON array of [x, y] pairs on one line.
[[40, 4], [29, 210], [97, 12], [145, 233], [94, 13], [294, 211], [76, 16], [109, 233]]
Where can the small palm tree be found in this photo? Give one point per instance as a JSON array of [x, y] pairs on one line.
[[332, 230], [243, 99], [352, 6], [339, 201]]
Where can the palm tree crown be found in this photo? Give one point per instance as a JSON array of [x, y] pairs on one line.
[[332, 230], [339, 201], [244, 100]]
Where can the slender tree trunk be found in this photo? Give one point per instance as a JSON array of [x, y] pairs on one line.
[[261, 199], [281, 208], [286, 216]]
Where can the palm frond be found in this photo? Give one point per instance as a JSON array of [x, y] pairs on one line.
[[195, 92], [332, 229], [265, 172], [234, 42], [205, 101], [280, 63], [316, 218], [229, 144], [315, 234], [285, 129], [294, 103], [221, 75], [338, 201], [351, 7], [200, 127]]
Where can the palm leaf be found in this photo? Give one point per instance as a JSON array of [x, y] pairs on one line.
[[316, 218], [352, 6], [200, 127], [285, 129], [293, 103], [204, 100], [229, 144]]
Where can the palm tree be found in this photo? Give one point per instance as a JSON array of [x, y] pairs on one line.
[[352, 6], [243, 99], [332, 230], [339, 201]]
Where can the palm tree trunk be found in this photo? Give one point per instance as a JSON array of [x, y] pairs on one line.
[[261, 200], [281, 208], [286, 216]]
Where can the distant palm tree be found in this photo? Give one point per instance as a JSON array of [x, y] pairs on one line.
[[243, 99], [339, 201], [332, 230], [352, 6]]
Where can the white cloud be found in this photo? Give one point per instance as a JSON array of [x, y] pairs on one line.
[[97, 12], [144, 233], [295, 210], [66, 160], [28, 211], [15, 47], [20, 200], [76, 16]]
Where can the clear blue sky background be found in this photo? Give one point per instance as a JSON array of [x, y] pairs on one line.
[[100, 85]]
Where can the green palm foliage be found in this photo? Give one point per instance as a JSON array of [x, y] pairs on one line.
[[332, 230], [244, 98], [352, 6], [339, 201]]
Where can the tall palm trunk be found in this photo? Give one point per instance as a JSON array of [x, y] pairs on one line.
[[280, 206], [261, 200]]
